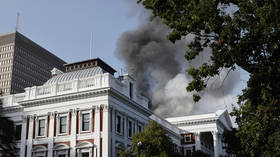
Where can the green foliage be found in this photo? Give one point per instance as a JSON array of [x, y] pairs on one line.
[[200, 154], [154, 141], [7, 138], [232, 142], [244, 33]]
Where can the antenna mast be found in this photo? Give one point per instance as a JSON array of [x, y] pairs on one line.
[[17, 24], [91, 45]]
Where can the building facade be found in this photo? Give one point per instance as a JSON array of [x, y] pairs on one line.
[[23, 63], [87, 112]]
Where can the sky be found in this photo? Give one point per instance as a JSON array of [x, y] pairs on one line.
[[64, 26]]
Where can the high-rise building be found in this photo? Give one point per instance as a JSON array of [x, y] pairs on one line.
[[23, 63]]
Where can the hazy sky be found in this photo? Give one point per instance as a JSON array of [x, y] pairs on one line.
[[64, 26]]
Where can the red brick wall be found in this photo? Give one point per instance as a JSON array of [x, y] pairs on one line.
[[55, 124], [77, 128], [70, 123], [101, 119]]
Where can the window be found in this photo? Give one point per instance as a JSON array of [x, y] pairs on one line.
[[118, 124], [41, 131], [63, 124], [129, 128], [139, 128], [188, 138], [85, 154], [18, 132], [85, 122]]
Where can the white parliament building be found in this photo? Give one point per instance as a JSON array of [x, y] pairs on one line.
[[87, 112]]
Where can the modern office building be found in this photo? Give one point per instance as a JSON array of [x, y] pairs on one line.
[[23, 63], [87, 112]]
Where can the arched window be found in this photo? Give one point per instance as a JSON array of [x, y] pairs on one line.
[[61, 150], [39, 151], [86, 149]]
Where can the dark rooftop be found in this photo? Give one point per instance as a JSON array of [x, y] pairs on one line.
[[85, 64]]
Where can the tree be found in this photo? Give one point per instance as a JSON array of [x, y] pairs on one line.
[[7, 132], [240, 33], [233, 143], [153, 142]]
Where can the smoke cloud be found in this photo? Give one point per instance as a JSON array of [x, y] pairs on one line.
[[159, 67]]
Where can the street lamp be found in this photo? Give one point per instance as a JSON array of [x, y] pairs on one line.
[[139, 145]]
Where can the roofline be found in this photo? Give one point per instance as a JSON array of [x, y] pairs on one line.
[[211, 114], [94, 59], [9, 33]]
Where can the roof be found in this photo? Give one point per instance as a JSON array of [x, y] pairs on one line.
[[222, 115], [88, 64], [79, 74], [196, 117]]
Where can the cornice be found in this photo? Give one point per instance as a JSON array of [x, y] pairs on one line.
[[11, 109], [196, 122], [64, 97], [121, 97], [83, 95]]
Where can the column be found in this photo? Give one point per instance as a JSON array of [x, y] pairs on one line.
[[30, 135], [125, 130], [113, 131], [97, 129], [95, 152], [216, 143], [51, 134], [106, 132], [73, 133], [23, 136], [197, 141]]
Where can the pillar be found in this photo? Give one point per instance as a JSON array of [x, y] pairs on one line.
[[113, 131], [73, 133], [197, 141], [216, 143], [32, 119], [51, 134], [106, 132], [125, 131], [23, 136], [97, 129]]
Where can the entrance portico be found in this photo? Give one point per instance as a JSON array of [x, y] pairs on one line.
[[207, 129]]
